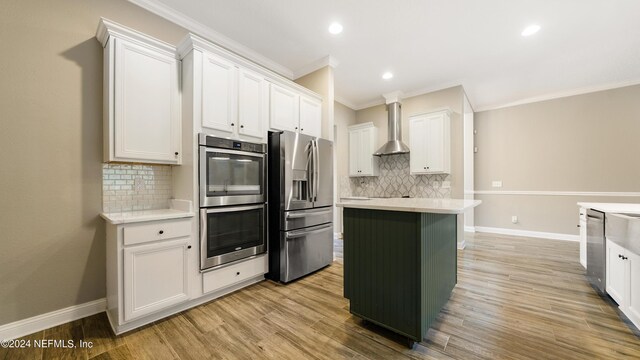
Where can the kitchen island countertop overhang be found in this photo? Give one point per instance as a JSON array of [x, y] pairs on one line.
[[421, 205]]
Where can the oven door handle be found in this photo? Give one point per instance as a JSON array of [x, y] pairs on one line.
[[301, 233], [234, 152], [231, 209]]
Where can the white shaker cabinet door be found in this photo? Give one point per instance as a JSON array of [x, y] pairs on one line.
[[616, 272], [285, 109], [417, 142], [354, 152], [633, 286], [219, 99], [253, 105], [310, 116], [155, 277], [435, 144], [146, 104]]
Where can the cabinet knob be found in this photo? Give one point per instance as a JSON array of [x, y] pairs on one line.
[[624, 258], [241, 126], [301, 129], [578, 225], [161, 232], [425, 168], [176, 153], [296, 128], [238, 273], [232, 124], [189, 247]]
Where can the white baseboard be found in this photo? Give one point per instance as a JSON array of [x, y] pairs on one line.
[[37, 323], [527, 233], [470, 229]]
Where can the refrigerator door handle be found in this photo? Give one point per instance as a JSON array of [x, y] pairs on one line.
[[301, 233], [310, 172], [316, 166], [306, 214]]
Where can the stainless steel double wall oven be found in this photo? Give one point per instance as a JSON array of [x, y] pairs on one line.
[[233, 198]]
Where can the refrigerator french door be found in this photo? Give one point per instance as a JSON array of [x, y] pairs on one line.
[[300, 205]]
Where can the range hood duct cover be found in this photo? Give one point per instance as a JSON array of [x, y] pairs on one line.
[[395, 145]]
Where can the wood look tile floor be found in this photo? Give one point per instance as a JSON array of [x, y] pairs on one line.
[[516, 298]]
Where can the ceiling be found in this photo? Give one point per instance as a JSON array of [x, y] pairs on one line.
[[433, 44]]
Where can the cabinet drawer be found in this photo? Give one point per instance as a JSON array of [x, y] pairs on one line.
[[218, 279], [161, 230]]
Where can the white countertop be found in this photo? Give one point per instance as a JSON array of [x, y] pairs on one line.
[[624, 208], [128, 217], [423, 205]]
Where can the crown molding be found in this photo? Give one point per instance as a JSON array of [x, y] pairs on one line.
[[394, 96], [407, 95], [108, 28], [316, 65], [562, 94], [194, 42], [194, 26], [345, 102]]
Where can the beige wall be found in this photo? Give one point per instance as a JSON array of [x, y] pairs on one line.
[[53, 242], [344, 117], [451, 98], [585, 143], [321, 81]]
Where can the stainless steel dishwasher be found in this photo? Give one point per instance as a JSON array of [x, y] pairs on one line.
[[596, 250]]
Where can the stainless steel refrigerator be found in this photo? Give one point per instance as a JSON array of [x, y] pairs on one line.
[[300, 198]]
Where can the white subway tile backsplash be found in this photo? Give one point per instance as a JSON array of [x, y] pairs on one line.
[[119, 187]]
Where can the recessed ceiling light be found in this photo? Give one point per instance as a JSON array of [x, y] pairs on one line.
[[530, 30], [387, 75], [335, 28]]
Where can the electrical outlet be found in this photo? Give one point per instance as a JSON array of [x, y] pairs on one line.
[[496, 183], [138, 183], [446, 184], [514, 219]]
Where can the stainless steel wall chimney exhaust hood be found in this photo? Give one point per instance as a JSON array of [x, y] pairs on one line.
[[395, 145]]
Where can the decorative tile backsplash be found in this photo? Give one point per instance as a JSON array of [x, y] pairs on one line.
[[135, 187], [396, 181]]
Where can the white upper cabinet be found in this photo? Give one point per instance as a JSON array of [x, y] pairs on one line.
[[253, 105], [430, 143], [292, 111], [362, 144], [219, 99], [285, 109], [310, 116], [234, 99], [228, 96], [142, 115]]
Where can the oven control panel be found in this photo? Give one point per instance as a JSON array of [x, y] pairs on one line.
[[216, 142]]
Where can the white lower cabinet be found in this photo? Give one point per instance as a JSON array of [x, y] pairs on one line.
[[149, 268], [233, 274], [155, 277], [623, 280]]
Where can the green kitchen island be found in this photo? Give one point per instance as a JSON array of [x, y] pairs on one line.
[[400, 260]]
